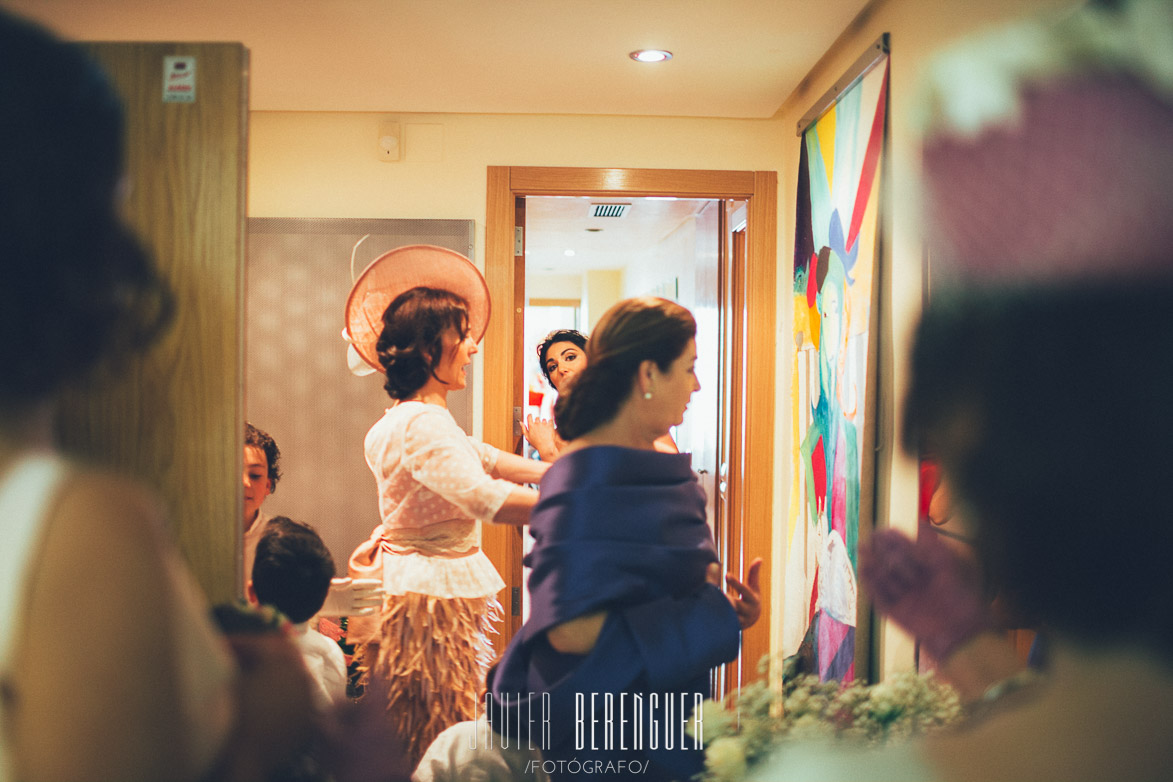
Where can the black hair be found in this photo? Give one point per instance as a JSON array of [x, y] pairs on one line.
[[261, 439], [1049, 410], [631, 332], [558, 335], [292, 569], [78, 287], [411, 343]]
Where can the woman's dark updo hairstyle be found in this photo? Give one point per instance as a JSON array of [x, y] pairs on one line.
[[631, 332], [412, 341], [1050, 412], [77, 287], [559, 335]]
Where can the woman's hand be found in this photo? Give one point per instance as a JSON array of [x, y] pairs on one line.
[[539, 433], [578, 636], [748, 602]]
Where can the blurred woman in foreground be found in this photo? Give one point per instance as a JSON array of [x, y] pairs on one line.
[[109, 665]]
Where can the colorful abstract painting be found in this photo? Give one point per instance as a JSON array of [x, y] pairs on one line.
[[835, 261]]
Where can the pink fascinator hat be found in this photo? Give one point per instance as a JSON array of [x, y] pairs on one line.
[[400, 270]]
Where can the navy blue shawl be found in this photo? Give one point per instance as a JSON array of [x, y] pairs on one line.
[[615, 527], [623, 530]]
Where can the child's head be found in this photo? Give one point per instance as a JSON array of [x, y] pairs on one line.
[[292, 570], [262, 470]]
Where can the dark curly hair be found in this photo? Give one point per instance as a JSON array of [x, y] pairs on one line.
[[293, 568], [412, 341], [558, 335], [263, 440], [1049, 411], [631, 332], [78, 288]]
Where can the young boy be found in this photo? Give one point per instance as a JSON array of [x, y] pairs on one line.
[[262, 470], [292, 573]]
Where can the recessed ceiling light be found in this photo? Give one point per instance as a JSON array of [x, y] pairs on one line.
[[569, 253], [650, 55]]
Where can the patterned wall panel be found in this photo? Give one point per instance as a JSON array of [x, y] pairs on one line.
[[297, 385]]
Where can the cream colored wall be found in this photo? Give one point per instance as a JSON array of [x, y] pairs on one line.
[[604, 287], [326, 165], [651, 274], [308, 164], [916, 28], [553, 286]]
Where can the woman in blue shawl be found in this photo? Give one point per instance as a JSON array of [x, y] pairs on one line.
[[628, 615]]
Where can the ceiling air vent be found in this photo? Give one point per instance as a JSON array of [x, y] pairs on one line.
[[609, 210]]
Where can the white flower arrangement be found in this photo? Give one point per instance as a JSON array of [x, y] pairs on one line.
[[755, 721]]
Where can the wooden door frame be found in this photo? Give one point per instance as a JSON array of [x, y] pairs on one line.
[[754, 503]]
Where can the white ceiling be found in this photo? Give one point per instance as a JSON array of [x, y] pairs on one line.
[[733, 58], [555, 225]]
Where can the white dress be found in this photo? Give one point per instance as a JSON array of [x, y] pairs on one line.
[[204, 671], [430, 644], [434, 485], [25, 496]]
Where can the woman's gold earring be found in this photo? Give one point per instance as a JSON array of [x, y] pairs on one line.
[[647, 394]]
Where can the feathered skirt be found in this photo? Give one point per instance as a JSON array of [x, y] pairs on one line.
[[430, 648]]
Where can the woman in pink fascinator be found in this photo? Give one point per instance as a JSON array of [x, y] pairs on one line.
[[417, 313]]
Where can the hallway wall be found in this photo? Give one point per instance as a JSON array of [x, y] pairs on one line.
[[325, 164]]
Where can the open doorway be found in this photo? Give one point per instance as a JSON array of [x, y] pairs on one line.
[[582, 255], [747, 304]]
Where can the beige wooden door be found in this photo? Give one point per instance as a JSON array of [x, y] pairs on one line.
[[174, 418], [731, 496]]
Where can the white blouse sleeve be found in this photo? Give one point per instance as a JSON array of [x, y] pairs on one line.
[[487, 453], [441, 458]]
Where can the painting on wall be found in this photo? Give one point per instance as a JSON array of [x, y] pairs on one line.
[[835, 264]]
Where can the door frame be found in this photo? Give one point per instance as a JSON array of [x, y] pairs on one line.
[[753, 500]]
